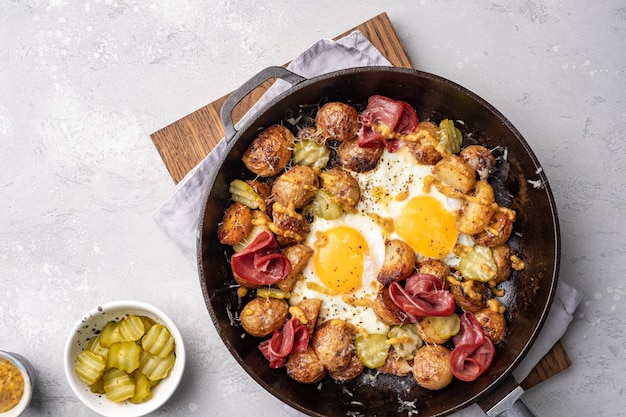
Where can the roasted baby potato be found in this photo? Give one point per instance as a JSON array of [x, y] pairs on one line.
[[297, 185], [342, 186], [471, 295], [310, 307], [476, 211], [333, 344], [261, 316], [387, 311], [352, 370], [424, 148], [337, 121], [498, 230], [431, 367], [502, 256], [434, 267], [235, 225], [479, 158], [270, 152], [305, 367], [455, 172], [399, 262], [356, 158], [289, 226], [298, 255], [492, 321], [395, 365]]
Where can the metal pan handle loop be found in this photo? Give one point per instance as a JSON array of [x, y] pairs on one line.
[[235, 98]]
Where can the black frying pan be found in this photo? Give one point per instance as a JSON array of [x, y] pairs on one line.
[[520, 184]]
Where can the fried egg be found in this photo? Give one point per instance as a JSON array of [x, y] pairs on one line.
[[397, 202]]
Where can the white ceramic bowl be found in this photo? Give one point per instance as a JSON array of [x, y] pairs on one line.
[[93, 322], [28, 374]]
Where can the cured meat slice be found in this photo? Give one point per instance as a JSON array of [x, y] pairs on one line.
[[382, 120], [422, 295], [293, 337], [473, 352], [261, 263]]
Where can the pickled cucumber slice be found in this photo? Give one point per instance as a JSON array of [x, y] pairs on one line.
[[143, 388], [444, 327], [97, 387], [95, 346], [268, 292], [449, 136], [243, 193], [118, 385], [478, 264], [131, 328], [110, 334], [311, 154], [405, 340], [158, 341], [89, 366], [124, 356], [372, 349], [325, 206], [155, 367]]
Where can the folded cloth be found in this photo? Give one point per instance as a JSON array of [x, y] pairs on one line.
[[179, 215]]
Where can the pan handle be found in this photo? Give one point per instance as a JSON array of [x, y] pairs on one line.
[[266, 74], [506, 401]]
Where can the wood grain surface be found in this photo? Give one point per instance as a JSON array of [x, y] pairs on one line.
[[184, 143]]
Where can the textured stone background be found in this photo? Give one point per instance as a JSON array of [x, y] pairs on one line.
[[84, 83]]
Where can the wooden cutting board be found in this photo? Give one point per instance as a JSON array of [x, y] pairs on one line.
[[186, 142]]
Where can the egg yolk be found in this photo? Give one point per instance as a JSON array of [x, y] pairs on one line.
[[427, 226], [339, 257]]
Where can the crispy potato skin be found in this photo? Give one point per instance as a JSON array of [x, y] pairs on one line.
[[270, 152], [261, 316], [305, 367], [476, 213], [333, 344], [474, 301], [297, 185], [355, 158], [311, 309], [431, 367], [502, 256], [337, 121], [395, 365], [235, 225], [498, 230], [290, 226], [493, 324], [424, 149], [342, 185], [434, 267], [387, 311], [399, 262], [298, 255], [455, 172], [352, 370], [480, 159]]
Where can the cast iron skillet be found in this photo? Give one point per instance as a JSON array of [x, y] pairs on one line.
[[520, 184]]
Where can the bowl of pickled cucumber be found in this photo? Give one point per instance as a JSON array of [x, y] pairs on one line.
[[124, 359]]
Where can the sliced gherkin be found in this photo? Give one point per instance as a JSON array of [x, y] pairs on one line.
[[89, 366], [110, 334], [131, 328], [154, 367], [449, 136], [242, 192], [444, 326], [324, 206], [143, 388], [311, 154], [158, 341], [269, 292], [478, 264], [124, 356], [372, 349], [118, 385], [405, 340]]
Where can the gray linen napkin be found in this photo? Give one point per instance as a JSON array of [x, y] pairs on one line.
[[179, 215]]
